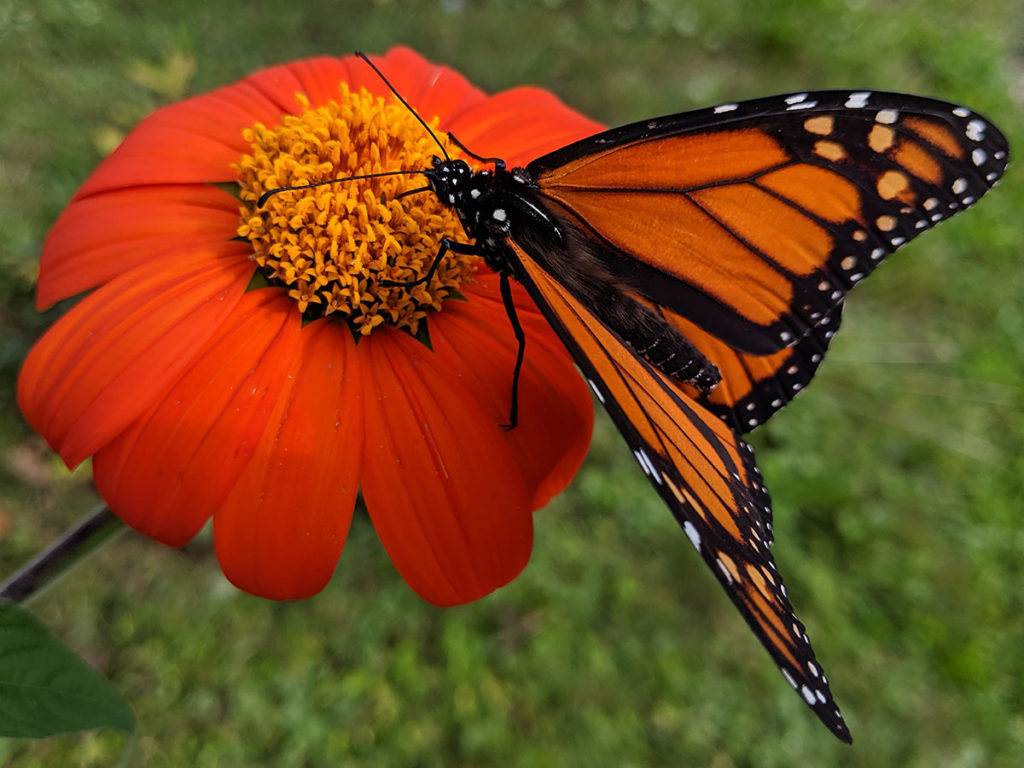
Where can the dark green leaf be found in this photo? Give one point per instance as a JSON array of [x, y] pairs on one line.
[[47, 689]]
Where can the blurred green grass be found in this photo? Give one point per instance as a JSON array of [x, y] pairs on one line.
[[898, 481]]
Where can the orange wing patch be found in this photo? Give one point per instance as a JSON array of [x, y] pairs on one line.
[[671, 234], [936, 134], [674, 162]]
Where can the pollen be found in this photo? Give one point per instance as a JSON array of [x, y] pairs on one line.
[[335, 247]]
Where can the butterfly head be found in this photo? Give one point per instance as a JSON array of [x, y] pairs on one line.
[[448, 179]]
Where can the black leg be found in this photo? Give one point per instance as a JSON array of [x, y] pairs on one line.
[[517, 329], [446, 245]]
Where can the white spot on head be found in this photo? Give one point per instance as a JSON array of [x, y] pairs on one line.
[[887, 116], [692, 534], [959, 186], [474, 193], [499, 214], [979, 156], [725, 108], [857, 100]]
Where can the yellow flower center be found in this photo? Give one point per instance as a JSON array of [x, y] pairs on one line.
[[332, 246]]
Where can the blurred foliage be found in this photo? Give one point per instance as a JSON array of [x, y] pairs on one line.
[[897, 482]]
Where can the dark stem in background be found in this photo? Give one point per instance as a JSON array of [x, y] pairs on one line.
[[73, 546]]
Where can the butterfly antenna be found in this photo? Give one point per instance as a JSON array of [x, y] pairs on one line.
[[398, 96], [412, 192], [266, 195]]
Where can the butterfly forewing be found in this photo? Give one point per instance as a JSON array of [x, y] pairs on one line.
[[754, 220], [702, 470]]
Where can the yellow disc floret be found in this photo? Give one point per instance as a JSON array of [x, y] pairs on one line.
[[333, 245]]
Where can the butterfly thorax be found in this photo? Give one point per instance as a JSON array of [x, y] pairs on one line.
[[489, 204]]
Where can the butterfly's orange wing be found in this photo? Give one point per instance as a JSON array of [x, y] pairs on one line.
[[753, 220], [703, 471]]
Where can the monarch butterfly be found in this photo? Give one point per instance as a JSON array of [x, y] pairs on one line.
[[695, 267]]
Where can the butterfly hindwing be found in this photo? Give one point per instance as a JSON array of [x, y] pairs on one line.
[[753, 220], [702, 470]]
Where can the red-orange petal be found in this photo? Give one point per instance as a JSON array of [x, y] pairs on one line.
[[433, 90], [440, 483], [520, 124], [197, 140], [190, 142], [281, 529], [105, 361], [171, 469], [556, 416], [99, 237]]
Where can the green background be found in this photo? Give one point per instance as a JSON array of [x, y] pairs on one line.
[[898, 480]]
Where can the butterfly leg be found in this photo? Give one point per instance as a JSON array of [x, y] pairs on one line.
[[446, 245], [517, 329]]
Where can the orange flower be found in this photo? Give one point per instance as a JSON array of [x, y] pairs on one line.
[[245, 363]]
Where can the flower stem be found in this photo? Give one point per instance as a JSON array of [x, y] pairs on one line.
[[73, 546]]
